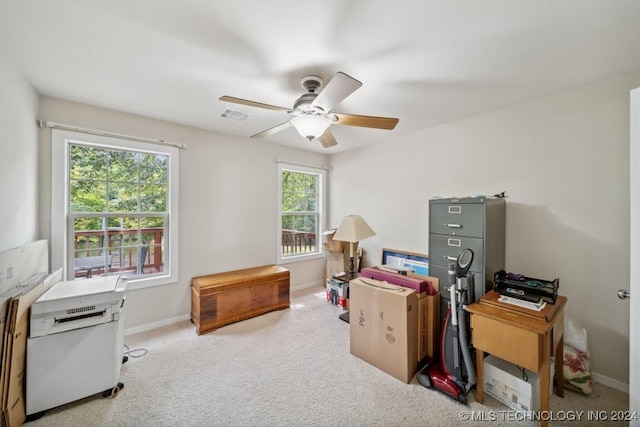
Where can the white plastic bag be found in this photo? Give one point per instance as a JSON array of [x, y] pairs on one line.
[[574, 334]]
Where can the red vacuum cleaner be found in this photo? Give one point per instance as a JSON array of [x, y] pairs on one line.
[[454, 372]]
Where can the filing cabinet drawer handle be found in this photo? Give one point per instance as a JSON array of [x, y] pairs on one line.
[[453, 225]]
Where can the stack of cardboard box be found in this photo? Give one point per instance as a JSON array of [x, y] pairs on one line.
[[24, 273]]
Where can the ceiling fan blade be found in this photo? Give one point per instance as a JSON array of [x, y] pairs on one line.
[[272, 130], [253, 103], [366, 121], [340, 86], [327, 140]]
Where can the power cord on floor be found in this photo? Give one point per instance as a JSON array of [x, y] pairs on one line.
[[139, 352]]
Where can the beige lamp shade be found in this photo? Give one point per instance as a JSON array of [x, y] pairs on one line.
[[353, 229]]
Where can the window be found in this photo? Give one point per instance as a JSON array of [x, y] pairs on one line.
[[301, 215], [116, 199]]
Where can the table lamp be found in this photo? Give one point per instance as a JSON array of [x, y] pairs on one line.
[[353, 229]]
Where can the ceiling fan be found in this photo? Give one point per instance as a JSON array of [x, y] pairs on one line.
[[312, 110]]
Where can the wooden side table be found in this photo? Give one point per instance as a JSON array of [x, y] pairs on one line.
[[524, 337]]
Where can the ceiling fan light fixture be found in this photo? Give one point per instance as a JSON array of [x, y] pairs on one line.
[[310, 127], [312, 111]]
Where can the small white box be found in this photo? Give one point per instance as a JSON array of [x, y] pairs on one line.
[[505, 382]]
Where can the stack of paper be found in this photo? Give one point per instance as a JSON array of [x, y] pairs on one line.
[[537, 306]]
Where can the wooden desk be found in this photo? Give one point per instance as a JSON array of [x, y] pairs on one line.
[[520, 336]]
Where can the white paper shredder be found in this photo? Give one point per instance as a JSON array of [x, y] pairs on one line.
[[75, 345]]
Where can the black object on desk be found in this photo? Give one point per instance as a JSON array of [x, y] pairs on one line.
[[525, 288]]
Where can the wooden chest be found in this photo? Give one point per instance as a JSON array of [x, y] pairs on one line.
[[224, 298]]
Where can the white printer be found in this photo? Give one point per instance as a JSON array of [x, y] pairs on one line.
[[75, 346]]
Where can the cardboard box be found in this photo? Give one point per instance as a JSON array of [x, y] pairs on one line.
[[428, 326], [384, 326], [338, 292], [428, 308], [504, 381], [338, 262], [339, 255], [428, 320], [16, 332], [333, 245]]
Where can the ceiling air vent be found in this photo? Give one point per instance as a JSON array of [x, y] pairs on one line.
[[238, 116]]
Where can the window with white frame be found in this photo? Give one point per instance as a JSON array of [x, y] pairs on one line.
[[301, 202], [114, 208]]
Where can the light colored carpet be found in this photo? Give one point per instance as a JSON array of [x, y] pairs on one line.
[[285, 368]]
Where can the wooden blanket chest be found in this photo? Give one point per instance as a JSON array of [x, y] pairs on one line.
[[223, 298]]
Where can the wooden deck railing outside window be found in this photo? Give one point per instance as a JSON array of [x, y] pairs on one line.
[[122, 247], [297, 242]]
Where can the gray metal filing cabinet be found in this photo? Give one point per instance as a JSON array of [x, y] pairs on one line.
[[476, 223]]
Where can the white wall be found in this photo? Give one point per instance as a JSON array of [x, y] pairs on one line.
[[563, 161], [228, 203], [18, 159]]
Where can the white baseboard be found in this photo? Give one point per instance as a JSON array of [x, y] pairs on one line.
[[165, 322], [150, 326], [306, 285], [610, 382]]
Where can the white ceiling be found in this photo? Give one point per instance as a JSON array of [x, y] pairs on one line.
[[426, 62]]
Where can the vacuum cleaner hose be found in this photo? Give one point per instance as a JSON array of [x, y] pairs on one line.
[[464, 346]]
